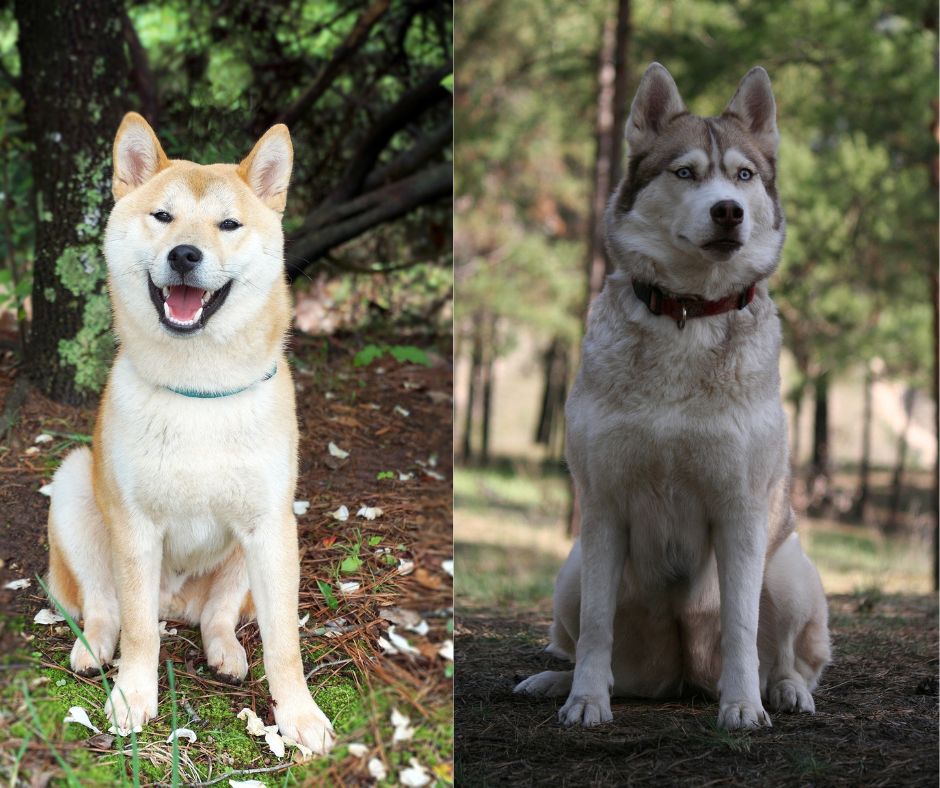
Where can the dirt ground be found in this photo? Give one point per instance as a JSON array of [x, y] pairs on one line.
[[875, 722], [393, 418]]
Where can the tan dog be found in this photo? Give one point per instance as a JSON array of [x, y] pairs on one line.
[[186, 502], [687, 571]]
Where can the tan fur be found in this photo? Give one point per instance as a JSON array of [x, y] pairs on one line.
[[187, 503]]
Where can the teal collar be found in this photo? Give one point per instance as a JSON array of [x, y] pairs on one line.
[[217, 394]]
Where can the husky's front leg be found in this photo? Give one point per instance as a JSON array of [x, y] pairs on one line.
[[137, 554], [274, 573], [740, 546], [603, 552]]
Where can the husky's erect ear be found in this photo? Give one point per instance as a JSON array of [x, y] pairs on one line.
[[137, 155], [656, 102], [753, 105], [267, 168]]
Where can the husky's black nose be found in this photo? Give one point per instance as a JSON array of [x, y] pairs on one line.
[[185, 258], [727, 213]]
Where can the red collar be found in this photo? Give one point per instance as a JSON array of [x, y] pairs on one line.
[[681, 308]]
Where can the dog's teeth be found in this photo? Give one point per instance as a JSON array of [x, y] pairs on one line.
[[206, 295], [196, 316], [166, 293], [166, 310]]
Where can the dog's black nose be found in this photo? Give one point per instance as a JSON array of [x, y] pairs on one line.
[[184, 259], [727, 213]]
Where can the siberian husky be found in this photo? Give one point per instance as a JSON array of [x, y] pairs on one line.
[[184, 508], [687, 571]]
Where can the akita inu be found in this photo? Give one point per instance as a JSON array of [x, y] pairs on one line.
[[184, 508], [687, 571]]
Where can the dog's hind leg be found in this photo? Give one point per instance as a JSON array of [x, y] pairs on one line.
[[218, 619], [793, 636], [79, 570]]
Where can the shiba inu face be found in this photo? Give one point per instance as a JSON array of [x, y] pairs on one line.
[[194, 249], [698, 210]]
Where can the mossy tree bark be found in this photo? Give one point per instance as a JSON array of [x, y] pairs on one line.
[[74, 76]]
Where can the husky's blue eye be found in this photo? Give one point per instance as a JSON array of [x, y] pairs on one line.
[[162, 216], [684, 172], [229, 224], [745, 174]]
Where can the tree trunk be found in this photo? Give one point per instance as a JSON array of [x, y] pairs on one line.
[[476, 361], [796, 398], [554, 390], [935, 287], [819, 471], [486, 371], [897, 478], [73, 82], [864, 465]]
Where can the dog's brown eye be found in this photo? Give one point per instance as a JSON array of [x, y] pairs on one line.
[[229, 224], [745, 174], [162, 216]]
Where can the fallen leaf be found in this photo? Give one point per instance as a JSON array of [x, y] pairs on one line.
[[405, 566], [301, 623], [377, 769], [401, 643], [336, 451], [401, 411], [358, 750], [328, 541], [102, 741], [402, 725], [437, 397], [164, 632], [300, 507], [17, 585], [448, 566], [414, 776], [349, 588], [79, 715], [274, 741], [447, 650], [425, 578], [369, 512], [43, 438], [254, 725], [46, 616], [341, 514], [400, 616], [184, 732]]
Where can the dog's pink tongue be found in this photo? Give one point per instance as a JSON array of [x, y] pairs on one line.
[[184, 301]]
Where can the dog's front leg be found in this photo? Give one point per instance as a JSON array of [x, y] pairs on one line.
[[274, 574], [137, 555], [603, 552], [740, 547]]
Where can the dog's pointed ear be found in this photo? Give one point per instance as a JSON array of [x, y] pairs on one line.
[[657, 101], [137, 155], [753, 105], [267, 168]]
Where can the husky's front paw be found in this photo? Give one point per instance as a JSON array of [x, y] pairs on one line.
[[302, 721], [547, 684], [737, 715], [791, 695], [586, 710], [131, 705]]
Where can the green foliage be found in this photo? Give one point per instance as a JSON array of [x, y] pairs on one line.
[[328, 596], [403, 354], [385, 475]]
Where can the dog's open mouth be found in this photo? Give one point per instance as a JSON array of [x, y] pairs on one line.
[[184, 309], [727, 245]]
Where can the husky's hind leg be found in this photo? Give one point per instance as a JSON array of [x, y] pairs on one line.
[[79, 563], [228, 601], [793, 636]]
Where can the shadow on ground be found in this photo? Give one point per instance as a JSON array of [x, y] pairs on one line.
[[876, 720]]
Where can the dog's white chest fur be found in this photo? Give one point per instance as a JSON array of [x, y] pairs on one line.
[[200, 470]]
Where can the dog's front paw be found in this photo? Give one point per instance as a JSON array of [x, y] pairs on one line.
[[131, 705], [89, 663], [585, 710], [303, 722], [791, 695], [547, 684], [226, 657], [738, 715]]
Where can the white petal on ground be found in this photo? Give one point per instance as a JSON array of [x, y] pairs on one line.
[[405, 566], [387, 648], [448, 566], [405, 477], [254, 725], [358, 750], [435, 475], [79, 715], [185, 733], [402, 726], [349, 588], [32, 450], [414, 776], [421, 628], [341, 514], [401, 643], [303, 753], [275, 742], [46, 616], [17, 585], [300, 507], [46, 489], [447, 650], [377, 769], [43, 438], [401, 411], [336, 451], [246, 784], [164, 632], [303, 621], [369, 512]]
